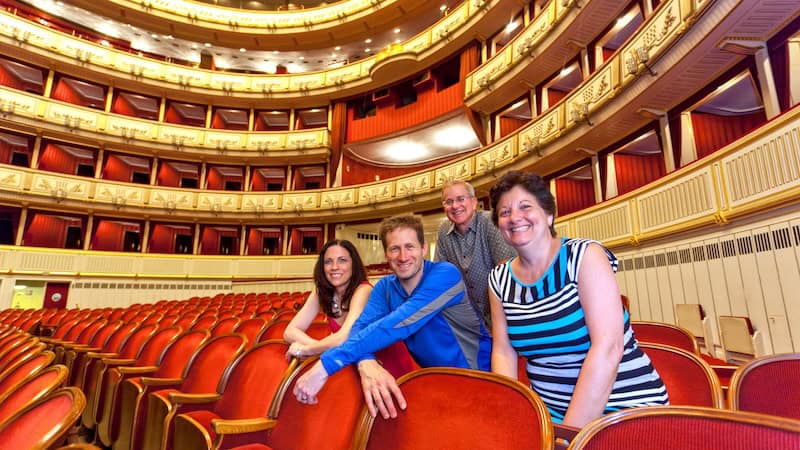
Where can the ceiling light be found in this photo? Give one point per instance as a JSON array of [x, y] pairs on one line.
[[396, 30], [337, 48], [511, 26], [20, 287], [367, 50], [154, 36], [624, 20], [207, 44], [302, 58], [457, 136], [367, 41], [406, 151], [44, 22], [333, 55], [566, 70], [275, 52], [194, 46], [105, 43], [443, 8], [242, 49], [168, 36], [397, 41]]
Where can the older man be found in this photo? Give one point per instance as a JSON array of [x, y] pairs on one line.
[[470, 241], [424, 304]]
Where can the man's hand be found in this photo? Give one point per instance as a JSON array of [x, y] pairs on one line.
[[309, 385], [379, 386]]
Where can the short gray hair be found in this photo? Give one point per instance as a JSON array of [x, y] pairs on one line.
[[456, 182]]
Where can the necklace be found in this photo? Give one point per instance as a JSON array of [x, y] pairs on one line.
[[336, 308]]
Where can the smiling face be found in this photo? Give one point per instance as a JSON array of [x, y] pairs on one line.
[[405, 255], [338, 266], [459, 206], [521, 220]]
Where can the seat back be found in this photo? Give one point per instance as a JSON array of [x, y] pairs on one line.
[[769, 385], [334, 419], [251, 329], [460, 408], [132, 345], [32, 389], [77, 330], [687, 428], [207, 364], [118, 337], [318, 330], [689, 379], [101, 336], [665, 334], [64, 327], [224, 326], [87, 335], [154, 348], [45, 423], [275, 330], [174, 359], [251, 382], [23, 355], [204, 323], [15, 374]]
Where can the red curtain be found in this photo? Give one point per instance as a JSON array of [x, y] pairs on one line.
[[389, 118], [210, 239], [509, 124], [54, 159], [573, 195], [712, 132], [554, 96], [469, 61], [255, 239], [297, 235], [20, 76], [607, 54], [634, 171]]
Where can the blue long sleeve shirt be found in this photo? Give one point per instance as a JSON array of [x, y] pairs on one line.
[[437, 322]]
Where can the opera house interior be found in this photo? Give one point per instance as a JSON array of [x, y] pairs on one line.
[[163, 158]]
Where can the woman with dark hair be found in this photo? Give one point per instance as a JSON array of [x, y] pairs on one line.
[[341, 291], [557, 304]]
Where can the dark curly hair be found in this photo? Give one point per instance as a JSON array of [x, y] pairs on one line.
[[532, 183], [325, 290]]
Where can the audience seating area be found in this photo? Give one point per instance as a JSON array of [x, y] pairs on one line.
[[212, 373]]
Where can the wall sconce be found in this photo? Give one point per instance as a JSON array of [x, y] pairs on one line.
[[298, 208], [533, 144], [639, 56], [580, 113], [170, 206], [118, 201]]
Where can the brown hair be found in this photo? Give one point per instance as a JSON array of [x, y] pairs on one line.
[[390, 224], [325, 290], [532, 183]]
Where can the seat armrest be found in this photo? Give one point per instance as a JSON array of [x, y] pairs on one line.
[[564, 434], [96, 354], [114, 362], [85, 349], [239, 426], [128, 370], [180, 398], [161, 382]]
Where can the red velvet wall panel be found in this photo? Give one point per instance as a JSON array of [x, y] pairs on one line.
[[356, 172], [214, 180], [554, 96], [116, 170], [712, 132], [296, 236], [110, 235], [21, 76], [55, 159], [509, 124], [46, 230], [573, 195], [634, 171], [255, 240], [162, 237], [388, 118], [210, 240], [168, 176]]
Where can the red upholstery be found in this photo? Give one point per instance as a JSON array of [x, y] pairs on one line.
[[45, 423], [201, 376], [334, 418], [689, 380], [204, 323], [224, 326], [23, 354], [247, 390], [688, 428], [126, 425], [666, 334], [251, 329], [459, 408], [768, 385], [275, 330], [13, 353], [111, 344], [32, 389]]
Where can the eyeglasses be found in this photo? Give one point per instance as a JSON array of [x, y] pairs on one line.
[[460, 199]]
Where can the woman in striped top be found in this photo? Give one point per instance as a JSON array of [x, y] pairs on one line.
[[558, 305]]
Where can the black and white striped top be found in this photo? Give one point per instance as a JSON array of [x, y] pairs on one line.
[[546, 325]]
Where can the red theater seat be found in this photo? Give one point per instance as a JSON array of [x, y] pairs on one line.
[[43, 424], [768, 385]]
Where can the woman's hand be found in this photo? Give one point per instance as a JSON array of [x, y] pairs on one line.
[[297, 350]]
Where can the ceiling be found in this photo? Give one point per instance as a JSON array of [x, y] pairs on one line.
[[146, 39]]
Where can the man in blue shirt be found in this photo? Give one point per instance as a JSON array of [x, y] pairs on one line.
[[423, 303]]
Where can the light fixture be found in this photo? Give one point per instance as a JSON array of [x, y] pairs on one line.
[[396, 30], [337, 48], [242, 49], [207, 44], [580, 113], [511, 26], [105, 43], [20, 287], [456, 137], [367, 50], [639, 56], [406, 151], [367, 41]]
